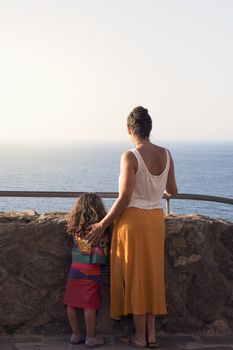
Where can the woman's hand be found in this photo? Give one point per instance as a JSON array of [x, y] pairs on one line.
[[96, 232]]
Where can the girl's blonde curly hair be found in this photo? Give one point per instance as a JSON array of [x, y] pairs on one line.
[[88, 210]]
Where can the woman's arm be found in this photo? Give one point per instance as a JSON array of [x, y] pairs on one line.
[[127, 173], [171, 186]]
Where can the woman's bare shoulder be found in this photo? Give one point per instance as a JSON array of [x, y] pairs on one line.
[[127, 153], [128, 156]]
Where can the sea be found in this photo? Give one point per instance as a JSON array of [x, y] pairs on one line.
[[201, 168]]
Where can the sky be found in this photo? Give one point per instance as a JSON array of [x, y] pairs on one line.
[[71, 71]]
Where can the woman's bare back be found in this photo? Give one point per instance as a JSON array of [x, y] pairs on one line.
[[154, 157]]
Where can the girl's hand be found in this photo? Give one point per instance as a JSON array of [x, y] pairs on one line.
[[96, 232]]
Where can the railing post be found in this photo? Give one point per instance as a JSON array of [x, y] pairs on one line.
[[167, 206]]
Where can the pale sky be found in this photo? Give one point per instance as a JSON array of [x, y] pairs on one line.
[[72, 70]]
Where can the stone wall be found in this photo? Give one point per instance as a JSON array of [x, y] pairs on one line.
[[35, 258]]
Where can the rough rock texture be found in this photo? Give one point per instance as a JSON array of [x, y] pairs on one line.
[[199, 275], [35, 259]]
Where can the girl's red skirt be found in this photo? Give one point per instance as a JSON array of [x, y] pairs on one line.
[[84, 285]]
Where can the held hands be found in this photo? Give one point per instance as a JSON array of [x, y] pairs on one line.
[[96, 232]]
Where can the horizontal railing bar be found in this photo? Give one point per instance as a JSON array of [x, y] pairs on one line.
[[59, 194], [53, 194], [201, 197]]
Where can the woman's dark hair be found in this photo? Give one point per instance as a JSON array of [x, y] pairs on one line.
[[140, 122], [88, 210]]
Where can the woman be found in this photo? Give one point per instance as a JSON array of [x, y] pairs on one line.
[[137, 250]]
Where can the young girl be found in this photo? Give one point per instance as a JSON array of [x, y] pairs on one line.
[[83, 288]]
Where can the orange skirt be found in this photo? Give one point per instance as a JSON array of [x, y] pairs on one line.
[[137, 263]]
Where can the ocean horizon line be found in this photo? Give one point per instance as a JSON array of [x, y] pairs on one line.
[[57, 144]]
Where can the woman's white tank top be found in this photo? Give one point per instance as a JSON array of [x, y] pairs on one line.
[[148, 189]]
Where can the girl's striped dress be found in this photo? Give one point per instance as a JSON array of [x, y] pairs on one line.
[[84, 283]]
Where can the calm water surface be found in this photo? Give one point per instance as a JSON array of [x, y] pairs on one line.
[[200, 168]]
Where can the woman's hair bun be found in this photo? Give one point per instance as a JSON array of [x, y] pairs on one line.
[[139, 113], [140, 122]]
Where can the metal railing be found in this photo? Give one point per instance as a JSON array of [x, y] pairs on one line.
[[110, 195]]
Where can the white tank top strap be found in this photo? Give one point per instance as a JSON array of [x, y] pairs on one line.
[[141, 162], [138, 157]]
